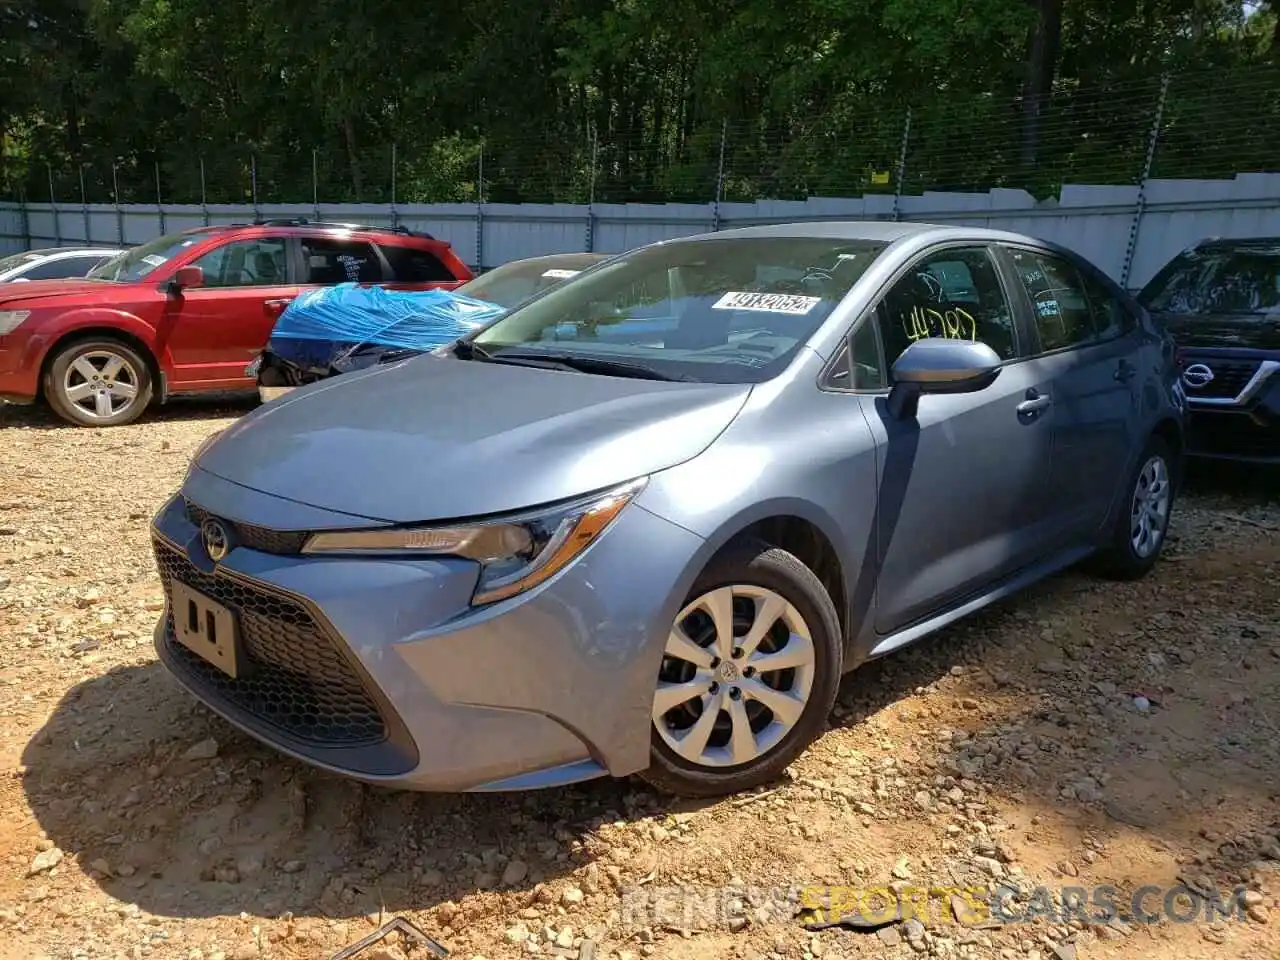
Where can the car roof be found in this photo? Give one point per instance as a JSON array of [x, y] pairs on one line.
[[55, 252], [563, 259], [305, 226], [886, 231]]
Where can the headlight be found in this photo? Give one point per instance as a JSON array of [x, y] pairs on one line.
[[10, 320], [515, 553]]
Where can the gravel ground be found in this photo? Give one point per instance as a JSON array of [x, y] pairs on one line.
[[1081, 734]]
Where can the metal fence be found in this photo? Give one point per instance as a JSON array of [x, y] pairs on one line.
[[1203, 124]]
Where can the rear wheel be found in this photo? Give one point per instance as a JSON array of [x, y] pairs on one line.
[[1143, 521], [98, 383], [748, 675]]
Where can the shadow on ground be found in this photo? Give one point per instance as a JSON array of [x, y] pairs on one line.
[[1029, 704], [219, 406]]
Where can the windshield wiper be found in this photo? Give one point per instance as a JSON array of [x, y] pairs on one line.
[[604, 365], [468, 350]]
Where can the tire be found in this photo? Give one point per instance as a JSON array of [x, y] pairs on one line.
[[125, 391], [1122, 558], [758, 579]]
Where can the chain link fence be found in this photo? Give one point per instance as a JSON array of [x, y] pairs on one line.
[[1209, 124]]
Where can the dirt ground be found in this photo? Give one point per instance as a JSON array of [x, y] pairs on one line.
[[1084, 735]]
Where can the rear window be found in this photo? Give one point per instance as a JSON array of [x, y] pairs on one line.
[[412, 265], [1218, 279]]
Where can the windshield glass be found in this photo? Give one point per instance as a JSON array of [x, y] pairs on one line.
[[1217, 280], [731, 310], [514, 283], [136, 262], [16, 260]]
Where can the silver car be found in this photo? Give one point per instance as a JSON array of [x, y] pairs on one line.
[[646, 521], [53, 263]]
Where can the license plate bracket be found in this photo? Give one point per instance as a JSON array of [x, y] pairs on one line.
[[206, 628]]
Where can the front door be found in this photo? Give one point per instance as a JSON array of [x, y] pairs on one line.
[[960, 500], [214, 331], [1087, 357]]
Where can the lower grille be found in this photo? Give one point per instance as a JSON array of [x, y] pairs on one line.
[[248, 535], [1232, 435], [294, 678], [1229, 377]]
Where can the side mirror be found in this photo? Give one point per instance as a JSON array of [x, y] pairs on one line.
[[938, 365], [185, 278]]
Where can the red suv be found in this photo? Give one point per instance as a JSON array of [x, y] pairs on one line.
[[187, 312]]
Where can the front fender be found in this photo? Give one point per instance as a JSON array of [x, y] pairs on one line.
[[93, 320]]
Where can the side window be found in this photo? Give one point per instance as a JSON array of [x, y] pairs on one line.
[[246, 263], [411, 265], [62, 268], [329, 261], [955, 294], [1062, 311], [1110, 315]]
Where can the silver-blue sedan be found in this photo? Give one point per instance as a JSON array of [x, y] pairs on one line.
[[646, 521]]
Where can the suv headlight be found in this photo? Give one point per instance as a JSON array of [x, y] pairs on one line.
[[10, 320], [515, 553]]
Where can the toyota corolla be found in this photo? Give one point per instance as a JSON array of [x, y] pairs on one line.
[[645, 522]]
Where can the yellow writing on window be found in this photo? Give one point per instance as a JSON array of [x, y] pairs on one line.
[[953, 324]]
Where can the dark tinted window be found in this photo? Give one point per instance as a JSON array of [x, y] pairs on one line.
[[63, 267], [411, 265], [1217, 280], [1111, 316], [329, 261], [954, 294], [1062, 312]]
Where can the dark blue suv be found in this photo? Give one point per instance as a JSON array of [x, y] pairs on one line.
[[1220, 299]]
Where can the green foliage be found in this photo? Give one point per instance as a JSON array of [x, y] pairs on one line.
[[619, 100]]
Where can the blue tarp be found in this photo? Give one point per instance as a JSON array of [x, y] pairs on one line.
[[352, 314]]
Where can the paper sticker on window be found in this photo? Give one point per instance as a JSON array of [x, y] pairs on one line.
[[152, 260], [560, 274], [796, 306], [1048, 308]]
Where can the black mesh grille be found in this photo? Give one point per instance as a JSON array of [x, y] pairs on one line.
[[1229, 377], [1232, 435], [255, 538], [293, 677]]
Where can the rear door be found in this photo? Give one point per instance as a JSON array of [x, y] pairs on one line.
[[1087, 354], [213, 332]]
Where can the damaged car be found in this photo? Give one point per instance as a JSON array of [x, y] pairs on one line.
[[334, 331]]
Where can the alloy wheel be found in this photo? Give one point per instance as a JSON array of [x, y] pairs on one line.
[[736, 674], [101, 383], [1149, 510]]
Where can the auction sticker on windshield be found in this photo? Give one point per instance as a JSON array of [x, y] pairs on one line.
[[789, 303]]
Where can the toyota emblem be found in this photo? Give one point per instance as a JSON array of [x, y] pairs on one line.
[[1197, 375], [217, 541]]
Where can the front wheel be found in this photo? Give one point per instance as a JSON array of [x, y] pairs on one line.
[[748, 676], [98, 383], [1143, 520]]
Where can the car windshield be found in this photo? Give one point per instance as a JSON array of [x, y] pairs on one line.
[[137, 262], [514, 283], [1236, 279], [16, 260], [723, 310]]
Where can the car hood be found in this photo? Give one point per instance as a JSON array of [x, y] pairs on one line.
[[38, 290], [1235, 331], [437, 438]]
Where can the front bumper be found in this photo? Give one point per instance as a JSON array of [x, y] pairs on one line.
[[379, 669], [20, 355]]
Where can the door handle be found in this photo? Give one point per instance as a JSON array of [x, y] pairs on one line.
[[1035, 402], [276, 307], [1125, 371]]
